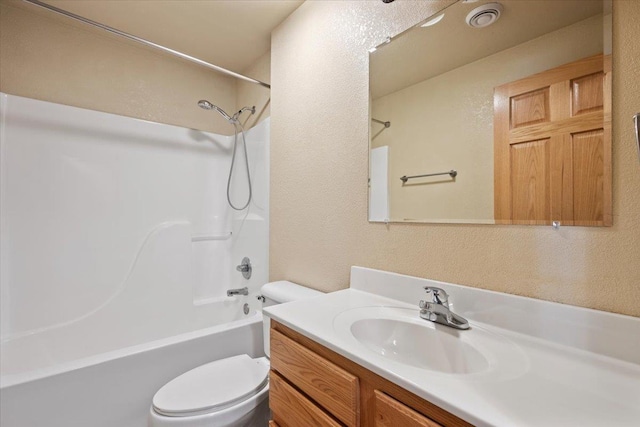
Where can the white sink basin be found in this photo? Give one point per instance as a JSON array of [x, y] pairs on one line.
[[400, 336], [420, 345]]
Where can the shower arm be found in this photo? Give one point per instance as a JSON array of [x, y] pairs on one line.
[[208, 105], [252, 110], [147, 43]]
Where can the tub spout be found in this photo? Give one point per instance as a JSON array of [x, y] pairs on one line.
[[238, 291]]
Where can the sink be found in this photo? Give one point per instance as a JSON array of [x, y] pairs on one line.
[[398, 336], [419, 345]]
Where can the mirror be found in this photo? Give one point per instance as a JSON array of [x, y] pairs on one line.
[[505, 123]]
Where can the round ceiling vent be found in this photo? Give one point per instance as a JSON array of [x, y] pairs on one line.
[[485, 15]]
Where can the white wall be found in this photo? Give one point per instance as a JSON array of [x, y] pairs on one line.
[[98, 212], [251, 226]]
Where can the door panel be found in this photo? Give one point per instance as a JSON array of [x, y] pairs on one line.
[[530, 108], [530, 182], [588, 161], [561, 181], [552, 146], [587, 94]]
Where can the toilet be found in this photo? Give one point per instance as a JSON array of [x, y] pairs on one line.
[[231, 392]]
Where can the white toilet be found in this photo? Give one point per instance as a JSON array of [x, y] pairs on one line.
[[231, 392]]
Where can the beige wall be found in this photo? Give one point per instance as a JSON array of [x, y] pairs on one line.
[[446, 122], [249, 94], [319, 174], [49, 57]]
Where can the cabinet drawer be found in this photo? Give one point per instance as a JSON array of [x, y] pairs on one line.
[[391, 413], [329, 385], [292, 409]]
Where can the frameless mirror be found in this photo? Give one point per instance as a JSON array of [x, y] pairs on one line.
[[494, 113]]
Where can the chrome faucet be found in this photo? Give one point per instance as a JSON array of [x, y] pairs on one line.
[[437, 310], [238, 291]]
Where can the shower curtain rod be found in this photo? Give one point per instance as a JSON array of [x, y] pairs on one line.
[[147, 43]]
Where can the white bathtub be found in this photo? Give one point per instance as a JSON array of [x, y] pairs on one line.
[[117, 247], [115, 389]]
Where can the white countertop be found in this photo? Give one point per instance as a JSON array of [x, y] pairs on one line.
[[536, 380]]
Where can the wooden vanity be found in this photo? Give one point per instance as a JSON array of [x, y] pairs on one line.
[[362, 357], [311, 385]]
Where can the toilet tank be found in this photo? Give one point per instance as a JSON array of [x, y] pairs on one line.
[[278, 293]]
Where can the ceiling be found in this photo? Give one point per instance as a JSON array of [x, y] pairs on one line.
[[421, 53], [232, 34]]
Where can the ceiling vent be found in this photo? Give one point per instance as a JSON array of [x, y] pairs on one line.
[[485, 15]]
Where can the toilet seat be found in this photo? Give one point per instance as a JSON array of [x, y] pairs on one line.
[[212, 387]]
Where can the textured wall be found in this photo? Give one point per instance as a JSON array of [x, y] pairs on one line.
[[319, 174], [52, 58]]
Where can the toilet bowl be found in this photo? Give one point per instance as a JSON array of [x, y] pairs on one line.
[[231, 392]]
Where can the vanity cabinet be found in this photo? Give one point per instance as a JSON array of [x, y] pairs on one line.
[[313, 385]]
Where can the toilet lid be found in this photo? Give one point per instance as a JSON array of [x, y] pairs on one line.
[[212, 387]]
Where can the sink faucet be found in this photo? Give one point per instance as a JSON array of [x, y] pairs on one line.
[[239, 291], [437, 310]]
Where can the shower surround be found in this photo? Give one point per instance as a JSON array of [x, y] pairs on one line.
[[117, 248]]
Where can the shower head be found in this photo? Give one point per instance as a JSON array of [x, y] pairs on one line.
[[206, 105]]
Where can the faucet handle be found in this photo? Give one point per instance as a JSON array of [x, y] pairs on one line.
[[439, 295], [425, 311]]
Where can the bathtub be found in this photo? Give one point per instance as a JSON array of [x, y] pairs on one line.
[[113, 277], [115, 389]]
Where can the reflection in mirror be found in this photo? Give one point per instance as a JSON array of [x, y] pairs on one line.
[[519, 109]]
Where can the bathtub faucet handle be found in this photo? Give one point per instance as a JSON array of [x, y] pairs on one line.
[[245, 268]]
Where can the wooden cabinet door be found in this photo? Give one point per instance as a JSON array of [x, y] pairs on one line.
[[552, 146], [391, 413], [292, 409], [332, 387]]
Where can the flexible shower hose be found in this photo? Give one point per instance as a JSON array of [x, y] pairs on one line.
[[233, 161]]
